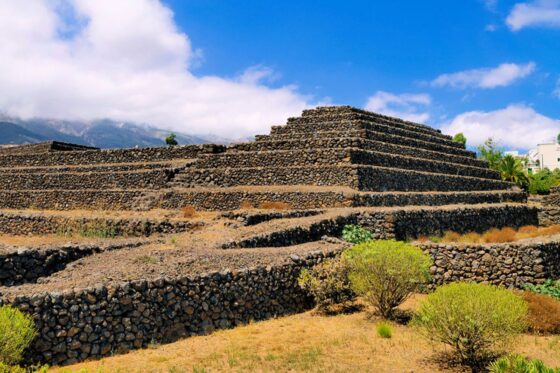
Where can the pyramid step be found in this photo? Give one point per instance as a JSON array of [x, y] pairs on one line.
[[150, 179], [343, 126], [356, 142], [92, 168], [370, 135], [366, 118], [287, 158], [301, 197], [312, 198], [366, 178], [336, 111]]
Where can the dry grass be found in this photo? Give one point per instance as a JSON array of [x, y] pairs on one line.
[[274, 206], [500, 235], [544, 313], [188, 212], [246, 205], [304, 343], [495, 235]]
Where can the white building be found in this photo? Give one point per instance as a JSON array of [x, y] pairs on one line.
[[544, 156]]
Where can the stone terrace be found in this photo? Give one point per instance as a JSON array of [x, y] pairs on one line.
[[235, 260]]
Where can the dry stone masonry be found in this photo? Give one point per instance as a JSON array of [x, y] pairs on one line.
[[329, 167]]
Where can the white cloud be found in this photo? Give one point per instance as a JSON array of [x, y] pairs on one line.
[[485, 78], [406, 106], [538, 13], [515, 127], [125, 60]]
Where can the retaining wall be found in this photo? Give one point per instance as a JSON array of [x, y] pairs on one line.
[[26, 265], [101, 321], [509, 264], [109, 156], [28, 224]]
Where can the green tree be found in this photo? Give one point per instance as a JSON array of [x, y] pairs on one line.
[[558, 138], [171, 140], [460, 138], [491, 153], [511, 169]]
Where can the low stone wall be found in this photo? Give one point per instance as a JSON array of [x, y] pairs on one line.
[[254, 218], [109, 156], [101, 321], [70, 199], [26, 265], [509, 264], [30, 224], [415, 223], [398, 224], [151, 179], [43, 147]]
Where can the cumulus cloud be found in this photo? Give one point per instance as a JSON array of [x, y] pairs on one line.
[[126, 60], [539, 13], [406, 106], [515, 127], [485, 78]]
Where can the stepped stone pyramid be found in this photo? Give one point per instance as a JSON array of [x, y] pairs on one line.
[[329, 157], [386, 161]]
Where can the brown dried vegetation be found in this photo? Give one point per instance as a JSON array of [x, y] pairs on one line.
[[544, 313], [274, 206]]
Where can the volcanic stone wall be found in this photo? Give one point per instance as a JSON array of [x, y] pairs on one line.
[[400, 224], [26, 265], [30, 224], [43, 147], [151, 179], [509, 264], [109, 156], [100, 321]]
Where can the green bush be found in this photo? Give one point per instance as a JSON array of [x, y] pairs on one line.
[[328, 283], [520, 364], [356, 234], [476, 320], [386, 272], [384, 330], [17, 330], [550, 288], [460, 138]]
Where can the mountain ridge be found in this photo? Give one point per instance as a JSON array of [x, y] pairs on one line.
[[104, 133]]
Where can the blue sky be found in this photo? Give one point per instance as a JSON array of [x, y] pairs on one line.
[[233, 68]]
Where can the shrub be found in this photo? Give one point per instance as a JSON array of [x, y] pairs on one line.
[[476, 320], [386, 272], [550, 288], [384, 330], [17, 330], [171, 140], [544, 313], [460, 138], [356, 234], [519, 364], [328, 283]]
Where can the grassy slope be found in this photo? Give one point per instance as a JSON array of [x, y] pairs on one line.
[[304, 342]]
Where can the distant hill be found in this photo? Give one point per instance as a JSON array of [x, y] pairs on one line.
[[101, 133]]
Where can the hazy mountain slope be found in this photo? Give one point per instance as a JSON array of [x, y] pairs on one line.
[[100, 133]]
